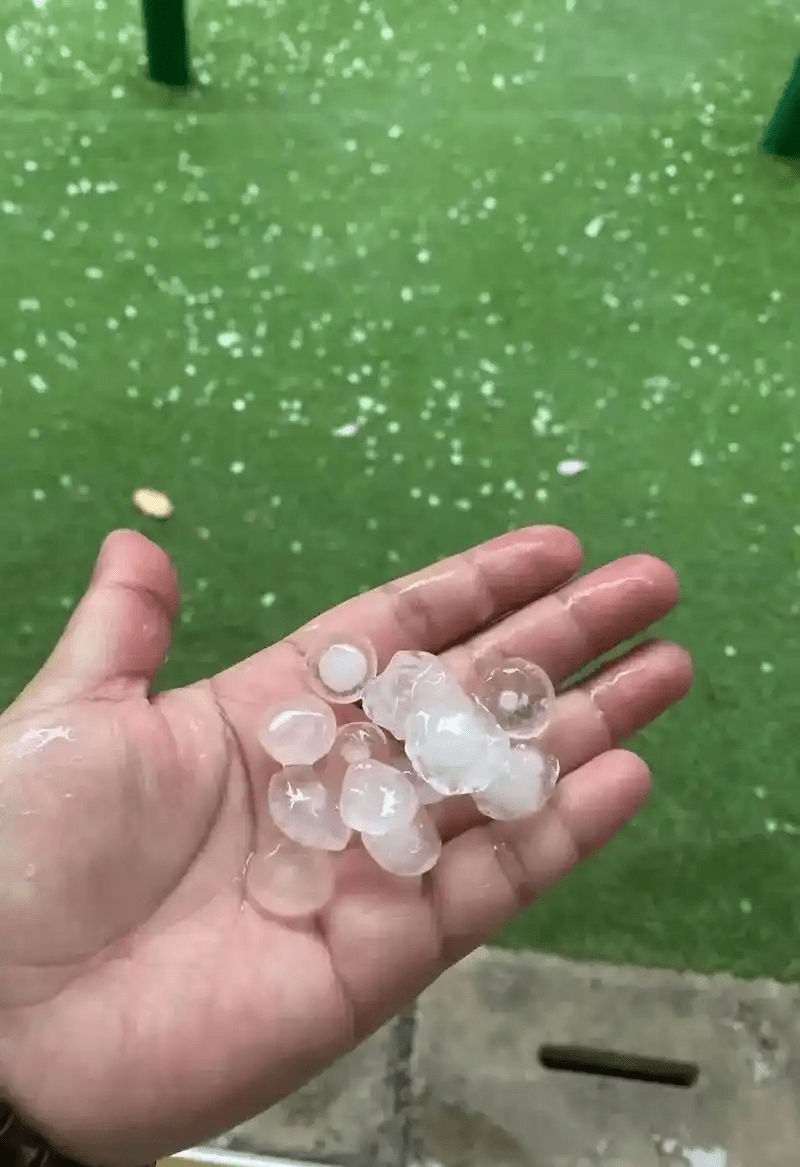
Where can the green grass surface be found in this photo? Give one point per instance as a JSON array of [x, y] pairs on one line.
[[382, 217]]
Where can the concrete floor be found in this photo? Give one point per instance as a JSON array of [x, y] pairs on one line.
[[458, 1082]]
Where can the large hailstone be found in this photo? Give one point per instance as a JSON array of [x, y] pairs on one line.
[[456, 746], [409, 679]]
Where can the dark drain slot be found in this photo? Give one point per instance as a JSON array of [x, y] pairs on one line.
[[577, 1059]]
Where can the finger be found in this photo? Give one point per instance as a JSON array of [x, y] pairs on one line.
[[453, 599], [565, 631], [120, 632], [617, 701], [487, 875], [600, 713], [431, 609]]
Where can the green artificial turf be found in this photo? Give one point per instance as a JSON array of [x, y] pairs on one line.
[[494, 236]]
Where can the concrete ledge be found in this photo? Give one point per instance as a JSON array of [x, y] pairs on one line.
[[461, 1083], [221, 1157], [483, 1099]]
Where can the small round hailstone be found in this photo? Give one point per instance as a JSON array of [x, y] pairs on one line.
[[376, 798], [303, 807], [518, 694], [153, 503], [409, 850], [298, 732], [289, 880], [522, 787], [358, 741], [341, 667]]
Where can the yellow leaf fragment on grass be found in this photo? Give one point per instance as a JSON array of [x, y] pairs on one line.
[[153, 503]]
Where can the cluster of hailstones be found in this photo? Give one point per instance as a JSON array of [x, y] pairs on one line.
[[422, 739]]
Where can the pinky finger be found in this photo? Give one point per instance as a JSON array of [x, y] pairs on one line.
[[490, 873]]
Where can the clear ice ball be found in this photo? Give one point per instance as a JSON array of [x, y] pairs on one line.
[[341, 667], [456, 748], [389, 698], [522, 787], [303, 807], [518, 694], [298, 732], [409, 850], [358, 741], [289, 880], [376, 798]]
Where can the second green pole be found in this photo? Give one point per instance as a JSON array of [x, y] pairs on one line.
[[782, 137], [167, 43]]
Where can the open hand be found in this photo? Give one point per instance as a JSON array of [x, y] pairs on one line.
[[146, 1004]]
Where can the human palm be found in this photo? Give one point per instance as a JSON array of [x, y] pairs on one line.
[[146, 1002]]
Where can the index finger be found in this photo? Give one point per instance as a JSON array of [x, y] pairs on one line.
[[435, 608], [450, 601]]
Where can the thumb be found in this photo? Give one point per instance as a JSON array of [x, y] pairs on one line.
[[119, 635]]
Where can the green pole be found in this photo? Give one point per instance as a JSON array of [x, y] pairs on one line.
[[167, 42], [782, 137]]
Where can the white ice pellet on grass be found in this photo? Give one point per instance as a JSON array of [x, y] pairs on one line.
[[456, 747], [570, 466], [348, 430], [411, 850], [376, 798], [289, 880], [299, 731], [522, 786], [341, 667]]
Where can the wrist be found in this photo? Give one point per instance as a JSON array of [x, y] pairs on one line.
[[20, 1146]]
